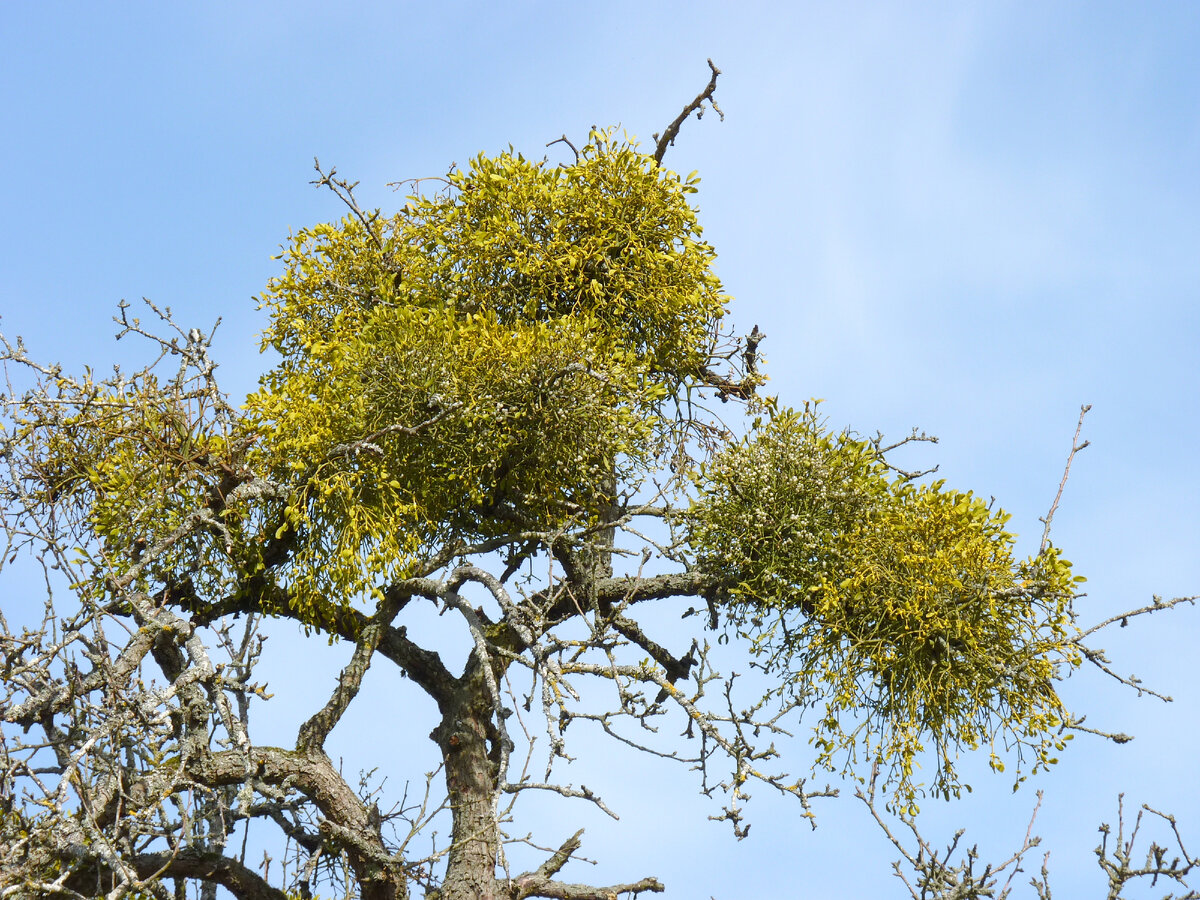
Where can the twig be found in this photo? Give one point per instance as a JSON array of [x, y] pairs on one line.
[[1124, 617], [345, 192], [1075, 448], [696, 106], [565, 140]]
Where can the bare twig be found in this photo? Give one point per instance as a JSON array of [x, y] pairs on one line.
[[1157, 605], [697, 107], [1075, 448], [565, 140], [1120, 869], [345, 192], [935, 874]]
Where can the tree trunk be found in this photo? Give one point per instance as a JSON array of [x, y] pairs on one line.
[[465, 736]]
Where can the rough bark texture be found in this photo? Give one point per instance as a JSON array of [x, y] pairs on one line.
[[463, 737]]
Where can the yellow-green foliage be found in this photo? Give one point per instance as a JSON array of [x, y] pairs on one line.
[[483, 357], [897, 609], [130, 461]]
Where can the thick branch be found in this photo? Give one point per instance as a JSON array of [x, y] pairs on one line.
[[560, 890], [630, 589], [314, 732], [675, 668], [540, 883], [563, 604], [190, 862], [346, 818]]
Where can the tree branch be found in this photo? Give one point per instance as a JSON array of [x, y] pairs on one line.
[[540, 884], [696, 106], [314, 731], [188, 862], [1075, 448]]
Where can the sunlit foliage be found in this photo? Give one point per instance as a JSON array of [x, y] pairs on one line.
[[496, 353], [501, 358], [128, 464], [896, 609]]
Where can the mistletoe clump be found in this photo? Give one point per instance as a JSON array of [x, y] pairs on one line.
[[896, 608], [498, 353]]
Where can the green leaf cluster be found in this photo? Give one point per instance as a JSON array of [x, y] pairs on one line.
[[611, 237], [897, 609], [490, 359], [129, 463]]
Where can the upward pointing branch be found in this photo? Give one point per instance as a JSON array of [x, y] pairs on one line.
[[697, 107], [1075, 448]]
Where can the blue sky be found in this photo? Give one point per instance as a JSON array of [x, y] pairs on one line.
[[967, 217]]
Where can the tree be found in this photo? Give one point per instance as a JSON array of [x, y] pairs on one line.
[[499, 401]]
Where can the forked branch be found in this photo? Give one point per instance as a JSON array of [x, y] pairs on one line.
[[540, 883]]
